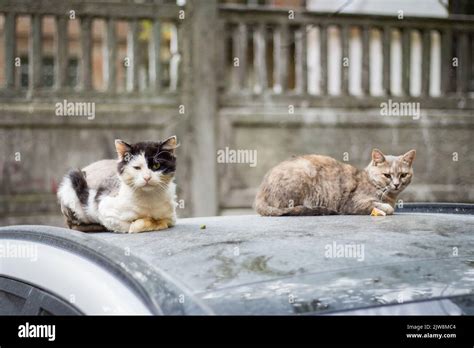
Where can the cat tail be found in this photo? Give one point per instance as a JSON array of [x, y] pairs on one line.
[[265, 210], [73, 196]]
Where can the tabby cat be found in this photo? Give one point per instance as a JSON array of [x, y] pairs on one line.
[[320, 185], [134, 194]]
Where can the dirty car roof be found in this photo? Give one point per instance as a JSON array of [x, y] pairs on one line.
[[284, 265]]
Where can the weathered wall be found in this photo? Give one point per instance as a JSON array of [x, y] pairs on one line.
[[437, 136]]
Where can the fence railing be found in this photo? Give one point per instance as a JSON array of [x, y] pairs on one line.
[[142, 63], [266, 52], [282, 52]]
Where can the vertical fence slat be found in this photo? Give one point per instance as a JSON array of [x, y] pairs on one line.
[[344, 32], [174, 61], [298, 38], [387, 38], [323, 40], [242, 54], [235, 71], [154, 57], [365, 33], [239, 41], [462, 78], [35, 53], [132, 55], [446, 63], [276, 60], [280, 49], [182, 42], [406, 57], [470, 68], [426, 62], [260, 62], [222, 59], [301, 60], [86, 51], [10, 48], [61, 52], [110, 56]]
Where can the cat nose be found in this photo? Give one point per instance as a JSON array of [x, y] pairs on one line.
[[396, 185], [146, 178]]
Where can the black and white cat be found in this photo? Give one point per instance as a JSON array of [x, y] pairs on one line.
[[134, 194]]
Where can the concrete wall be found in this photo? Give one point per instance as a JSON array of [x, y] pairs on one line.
[[443, 140], [49, 146]]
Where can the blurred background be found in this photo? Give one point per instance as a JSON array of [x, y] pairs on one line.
[[272, 78]]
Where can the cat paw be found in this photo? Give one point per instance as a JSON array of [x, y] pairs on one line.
[[147, 224], [161, 225], [139, 225], [386, 208]]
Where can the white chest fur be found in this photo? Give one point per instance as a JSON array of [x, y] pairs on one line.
[[130, 205]]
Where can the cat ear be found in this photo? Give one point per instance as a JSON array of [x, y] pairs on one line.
[[122, 148], [409, 157], [170, 144], [377, 156]]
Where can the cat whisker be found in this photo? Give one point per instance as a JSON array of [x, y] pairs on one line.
[[162, 186]]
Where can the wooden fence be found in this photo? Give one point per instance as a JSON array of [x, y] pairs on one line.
[[241, 78]]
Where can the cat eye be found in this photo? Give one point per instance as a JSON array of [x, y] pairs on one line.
[[137, 167], [403, 175], [156, 166], [388, 176]]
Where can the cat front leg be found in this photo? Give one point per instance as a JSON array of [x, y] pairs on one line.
[[147, 224], [109, 216], [385, 207], [364, 206], [116, 225], [153, 224]]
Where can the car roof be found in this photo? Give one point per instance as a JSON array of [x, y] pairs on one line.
[[282, 265]]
